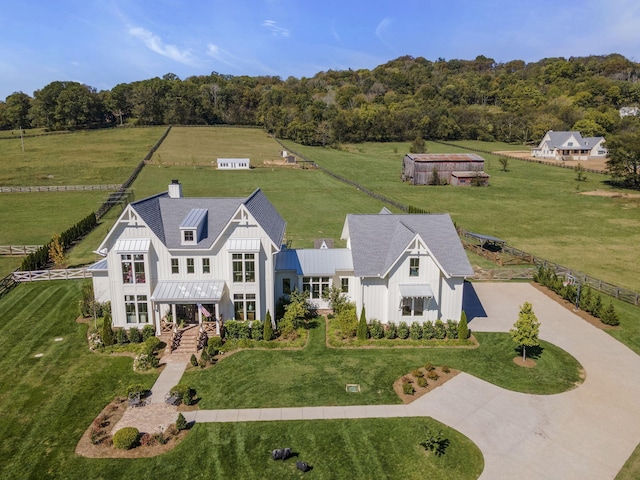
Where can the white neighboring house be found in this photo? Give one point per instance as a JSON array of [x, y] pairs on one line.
[[171, 257], [569, 146], [400, 267], [629, 112], [233, 163]]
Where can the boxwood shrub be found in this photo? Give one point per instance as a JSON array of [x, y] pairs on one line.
[[126, 438]]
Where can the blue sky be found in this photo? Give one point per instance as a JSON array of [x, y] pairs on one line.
[[105, 42]]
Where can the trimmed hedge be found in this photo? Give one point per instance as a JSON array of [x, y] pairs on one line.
[[126, 438]]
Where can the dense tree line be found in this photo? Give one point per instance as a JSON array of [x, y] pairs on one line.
[[400, 100]]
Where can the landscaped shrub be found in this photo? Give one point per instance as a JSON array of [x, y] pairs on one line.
[[391, 331], [415, 331], [433, 375], [135, 389], [151, 344], [609, 316], [429, 366], [417, 373], [287, 329], [147, 332], [216, 342], [134, 335], [407, 388], [95, 341], [445, 369], [237, 329], [257, 330], [421, 382], [194, 360], [403, 330], [428, 330], [126, 438], [147, 440], [144, 362], [121, 336], [347, 320], [596, 308], [363, 329], [181, 422], [376, 329], [107, 331], [267, 328], [204, 358], [185, 393], [463, 328], [434, 442], [212, 349], [440, 331], [452, 330]]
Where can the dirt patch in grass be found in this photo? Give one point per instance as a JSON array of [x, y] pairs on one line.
[[96, 440], [443, 377], [606, 193], [528, 363], [570, 306]]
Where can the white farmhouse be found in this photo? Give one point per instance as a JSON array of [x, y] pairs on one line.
[[233, 163], [569, 146], [169, 257]]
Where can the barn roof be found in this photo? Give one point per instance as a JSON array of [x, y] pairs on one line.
[[445, 157]]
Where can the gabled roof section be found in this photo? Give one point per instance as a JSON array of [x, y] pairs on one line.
[[561, 139], [377, 241], [165, 216], [314, 261], [267, 216], [194, 218]]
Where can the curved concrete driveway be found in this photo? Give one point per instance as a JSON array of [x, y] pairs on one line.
[[586, 433]]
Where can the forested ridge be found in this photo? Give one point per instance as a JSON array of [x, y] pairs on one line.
[[403, 99]]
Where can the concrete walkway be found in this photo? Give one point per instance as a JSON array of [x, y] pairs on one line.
[[586, 433], [169, 377]]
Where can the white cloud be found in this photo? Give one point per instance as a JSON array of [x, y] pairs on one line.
[[221, 55], [155, 44], [276, 31], [381, 30]]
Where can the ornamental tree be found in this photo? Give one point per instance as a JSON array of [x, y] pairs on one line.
[[526, 330]]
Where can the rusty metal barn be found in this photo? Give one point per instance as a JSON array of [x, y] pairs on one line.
[[452, 168]]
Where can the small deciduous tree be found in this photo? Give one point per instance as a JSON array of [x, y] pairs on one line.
[[418, 145], [504, 162], [56, 251], [363, 331], [526, 329]]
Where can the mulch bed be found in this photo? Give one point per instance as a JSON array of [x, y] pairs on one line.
[[104, 448], [570, 306], [420, 391]]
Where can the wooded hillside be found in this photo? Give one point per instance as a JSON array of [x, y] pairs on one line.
[[400, 100]]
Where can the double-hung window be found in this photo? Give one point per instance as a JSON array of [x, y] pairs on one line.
[[137, 308], [133, 268], [206, 265], [414, 267], [175, 266], [191, 266], [244, 267]]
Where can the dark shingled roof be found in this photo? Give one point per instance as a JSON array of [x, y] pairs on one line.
[[377, 241], [164, 215]]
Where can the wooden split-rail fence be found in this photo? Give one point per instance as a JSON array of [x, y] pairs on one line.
[[17, 250], [59, 274], [58, 188]]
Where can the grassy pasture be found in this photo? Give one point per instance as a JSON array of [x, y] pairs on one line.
[[203, 145], [79, 158], [47, 403], [536, 208]]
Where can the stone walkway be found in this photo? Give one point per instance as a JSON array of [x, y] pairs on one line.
[[586, 433]]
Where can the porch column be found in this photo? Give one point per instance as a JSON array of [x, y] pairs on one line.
[[173, 313]]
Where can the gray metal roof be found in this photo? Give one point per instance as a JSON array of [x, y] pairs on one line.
[[188, 292], [558, 140], [314, 261], [416, 290], [194, 218], [99, 266], [165, 215], [377, 241], [445, 157]]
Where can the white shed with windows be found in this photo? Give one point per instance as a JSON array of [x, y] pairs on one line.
[[233, 164]]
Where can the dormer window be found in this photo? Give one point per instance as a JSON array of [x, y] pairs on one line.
[[193, 227]]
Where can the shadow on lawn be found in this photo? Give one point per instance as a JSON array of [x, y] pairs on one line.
[[533, 353]]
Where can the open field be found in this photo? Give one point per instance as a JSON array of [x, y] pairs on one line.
[[79, 158], [533, 207], [47, 403], [203, 145]]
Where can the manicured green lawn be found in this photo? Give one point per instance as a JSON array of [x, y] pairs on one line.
[[47, 403], [317, 375]]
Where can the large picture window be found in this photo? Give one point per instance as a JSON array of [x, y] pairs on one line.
[[244, 306], [412, 306], [133, 268], [137, 308], [244, 267], [315, 286]]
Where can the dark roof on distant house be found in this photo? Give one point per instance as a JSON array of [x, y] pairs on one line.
[[377, 241]]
